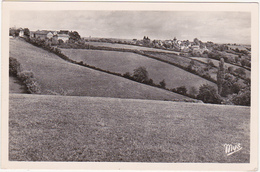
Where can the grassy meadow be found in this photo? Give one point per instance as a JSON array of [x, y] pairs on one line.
[[57, 76], [132, 47], [122, 62], [69, 128]]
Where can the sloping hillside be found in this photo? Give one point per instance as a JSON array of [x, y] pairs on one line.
[[132, 47], [69, 128], [57, 76], [122, 62]]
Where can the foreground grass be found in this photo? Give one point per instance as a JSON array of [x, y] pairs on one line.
[[122, 62], [57, 76], [61, 128]]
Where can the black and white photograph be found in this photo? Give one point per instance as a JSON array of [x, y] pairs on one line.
[[141, 85]]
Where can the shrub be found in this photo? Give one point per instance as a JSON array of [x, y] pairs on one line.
[[208, 94], [162, 84], [14, 67], [141, 74], [27, 77], [182, 90], [242, 98], [33, 86]]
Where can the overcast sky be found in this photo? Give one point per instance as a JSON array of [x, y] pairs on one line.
[[219, 27]]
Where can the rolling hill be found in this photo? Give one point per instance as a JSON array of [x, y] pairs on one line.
[[57, 76], [122, 62], [70, 128], [132, 47], [216, 63]]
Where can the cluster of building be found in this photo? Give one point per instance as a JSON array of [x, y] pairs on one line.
[[46, 34], [181, 45], [41, 34]]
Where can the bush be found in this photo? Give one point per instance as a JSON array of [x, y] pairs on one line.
[[208, 94], [162, 84], [242, 98], [27, 77], [182, 90], [14, 67]]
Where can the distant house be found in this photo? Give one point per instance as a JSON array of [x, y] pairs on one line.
[[63, 37], [41, 34], [16, 32], [21, 32]]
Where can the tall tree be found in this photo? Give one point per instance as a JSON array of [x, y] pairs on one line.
[[27, 32], [141, 74], [74, 36], [220, 75]]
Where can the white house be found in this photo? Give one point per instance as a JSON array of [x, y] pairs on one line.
[[63, 37]]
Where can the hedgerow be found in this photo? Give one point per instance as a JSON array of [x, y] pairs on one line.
[[26, 77]]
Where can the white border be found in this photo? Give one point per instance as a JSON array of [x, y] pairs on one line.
[[249, 7]]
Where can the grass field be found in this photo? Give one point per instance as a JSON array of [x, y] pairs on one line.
[[132, 47], [216, 63], [57, 76], [69, 128], [184, 61], [122, 62]]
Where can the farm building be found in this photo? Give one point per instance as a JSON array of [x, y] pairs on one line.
[[42, 34], [45, 34], [63, 37], [16, 32]]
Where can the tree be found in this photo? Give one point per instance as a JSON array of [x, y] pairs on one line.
[[193, 91], [182, 90], [27, 32], [210, 63], [196, 41], [229, 85], [230, 69], [162, 84], [140, 74], [208, 94], [242, 98], [74, 36], [191, 65], [247, 81], [127, 75], [220, 75], [237, 58], [244, 62], [241, 72]]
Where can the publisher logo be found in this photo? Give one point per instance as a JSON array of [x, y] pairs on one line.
[[230, 148]]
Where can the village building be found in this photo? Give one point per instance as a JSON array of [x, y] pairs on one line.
[[45, 34], [41, 34], [63, 37], [21, 32]]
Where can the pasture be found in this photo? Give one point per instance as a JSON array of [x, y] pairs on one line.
[[184, 62], [122, 62], [132, 47], [59, 77], [69, 128]]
